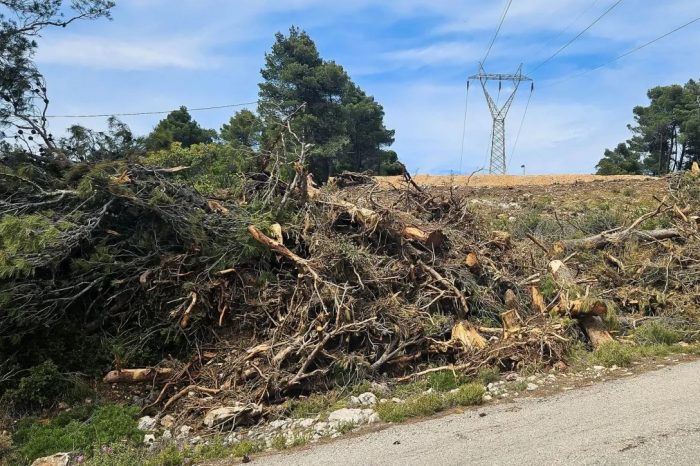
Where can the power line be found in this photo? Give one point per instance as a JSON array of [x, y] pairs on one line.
[[464, 128], [498, 30], [629, 52], [577, 36], [566, 28], [159, 112], [522, 121]]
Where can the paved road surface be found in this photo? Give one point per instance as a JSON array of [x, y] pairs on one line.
[[653, 418]]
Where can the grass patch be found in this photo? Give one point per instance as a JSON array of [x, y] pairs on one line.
[[312, 405], [520, 386], [657, 333], [106, 425], [486, 375], [427, 404], [444, 381]]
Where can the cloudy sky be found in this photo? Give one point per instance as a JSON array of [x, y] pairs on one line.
[[414, 56]]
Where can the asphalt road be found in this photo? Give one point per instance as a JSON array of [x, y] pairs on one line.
[[652, 418]]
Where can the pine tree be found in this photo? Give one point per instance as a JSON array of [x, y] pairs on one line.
[[178, 126]]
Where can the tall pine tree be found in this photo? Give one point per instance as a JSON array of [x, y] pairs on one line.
[[345, 126]]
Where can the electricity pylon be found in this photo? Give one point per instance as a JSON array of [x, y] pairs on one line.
[[497, 164]]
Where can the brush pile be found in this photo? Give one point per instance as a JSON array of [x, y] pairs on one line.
[[284, 288]]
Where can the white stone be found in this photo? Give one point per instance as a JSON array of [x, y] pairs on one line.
[[367, 399], [532, 386], [487, 398], [353, 416], [195, 440], [147, 423], [397, 400], [237, 414], [279, 423], [598, 368], [532, 378], [512, 377], [166, 435], [305, 423], [59, 459], [321, 427], [149, 439]]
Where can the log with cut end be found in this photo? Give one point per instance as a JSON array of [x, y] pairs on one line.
[[466, 333], [538, 304], [595, 329], [511, 322], [601, 240], [137, 375], [434, 238]]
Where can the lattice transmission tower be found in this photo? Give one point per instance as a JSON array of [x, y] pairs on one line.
[[497, 163]]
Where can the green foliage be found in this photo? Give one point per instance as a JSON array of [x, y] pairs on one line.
[[344, 124], [443, 381], [426, 404], [312, 405], [243, 129], [211, 168], [657, 333], [22, 235], [486, 375], [620, 161], [178, 126], [43, 386], [666, 134], [108, 424]]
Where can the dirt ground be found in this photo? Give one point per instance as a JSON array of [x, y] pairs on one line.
[[508, 180]]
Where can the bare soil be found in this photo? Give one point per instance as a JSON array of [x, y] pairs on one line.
[[508, 180]]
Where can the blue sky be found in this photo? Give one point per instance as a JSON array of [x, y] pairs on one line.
[[412, 55]]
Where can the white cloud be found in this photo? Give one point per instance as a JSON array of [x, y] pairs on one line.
[[133, 54]]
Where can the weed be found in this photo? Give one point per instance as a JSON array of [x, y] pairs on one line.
[[279, 442], [444, 381], [467, 395], [43, 386], [657, 333], [427, 404], [520, 386], [486, 375], [418, 405], [613, 354], [312, 405], [108, 424], [410, 389], [548, 287]]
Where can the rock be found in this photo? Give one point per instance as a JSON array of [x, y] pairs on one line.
[[59, 459], [149, 439], [367, 399], [184, 432], [230, 439], [196, 440], [166, 435], [353, 416], [512, 377], [321, 427], [279, 423], [382, 388], [598, 368], [167, 421], [532, 378], [532, 386], [397, 400], [305, 423], [487, 398], [63, 406], [238, 414], [147, 423]]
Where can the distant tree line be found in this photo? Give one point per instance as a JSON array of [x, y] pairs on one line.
[[665, 136], [344, 125]]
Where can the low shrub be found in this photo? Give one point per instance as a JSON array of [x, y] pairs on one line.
[[106, 425], [657, 333]]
